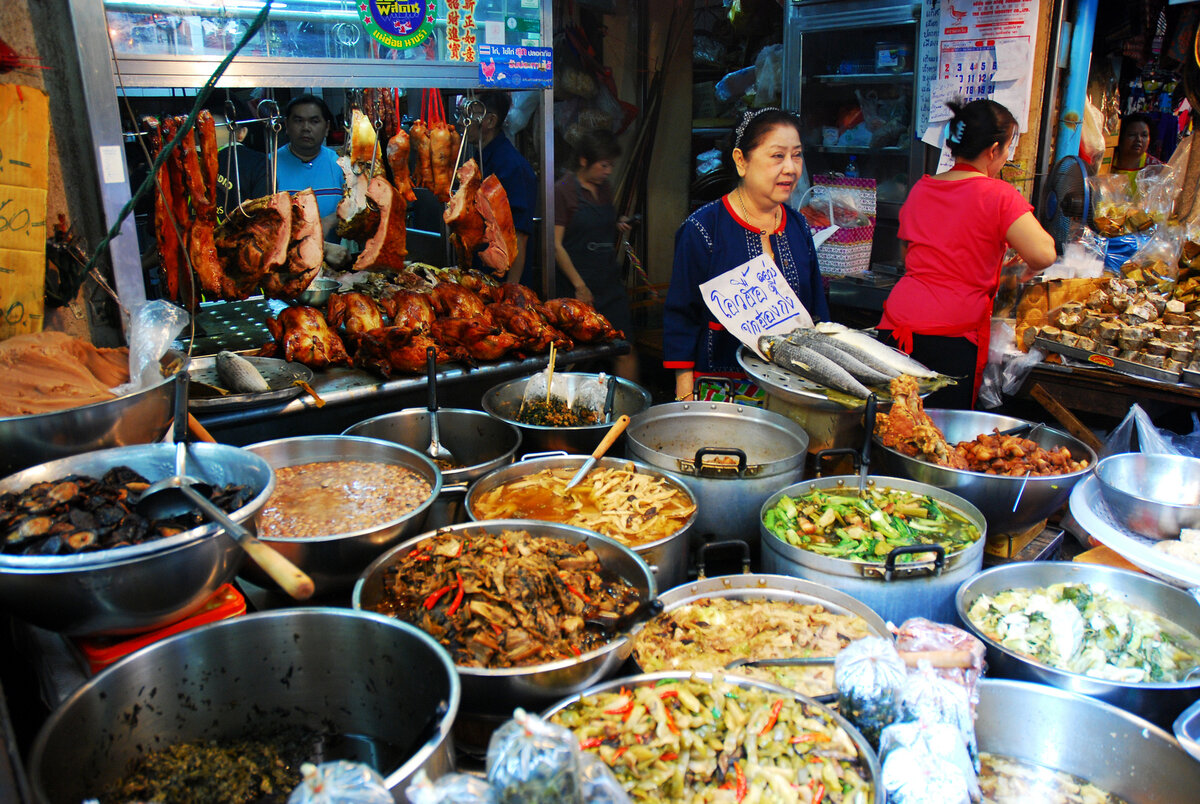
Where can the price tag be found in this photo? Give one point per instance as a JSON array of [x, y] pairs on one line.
[[24, 140], [753, 300]]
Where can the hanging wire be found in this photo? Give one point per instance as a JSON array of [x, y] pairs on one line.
[[201, 99]]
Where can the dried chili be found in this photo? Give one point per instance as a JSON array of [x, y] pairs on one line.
[[776, 708], [432, 600], [458, 597], [742, 786]]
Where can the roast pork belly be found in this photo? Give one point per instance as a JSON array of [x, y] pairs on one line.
[[387, 247], [306, 251], [253, 242], [500, 235], [462, 216]]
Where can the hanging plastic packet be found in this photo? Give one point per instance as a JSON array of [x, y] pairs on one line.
[[1156, 264], [1112, 199], [340, 782], [569, 400], [933, 741], [453, 788], [929, 698], [956, 655], [153, 325], [870, 677], [599, 784], [530, 761]]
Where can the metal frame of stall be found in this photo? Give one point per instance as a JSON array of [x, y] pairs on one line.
[[100, 84]]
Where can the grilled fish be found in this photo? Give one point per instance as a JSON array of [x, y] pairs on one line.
[[239, 375], [892, 357], [810, 364], [865, 368]]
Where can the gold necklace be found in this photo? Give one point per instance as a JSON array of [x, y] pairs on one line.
[[746, 214]]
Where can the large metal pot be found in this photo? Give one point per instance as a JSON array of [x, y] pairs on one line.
[[479, 442], [667, 557], [497, 691], [996, 496], [335, 561], [504, 401], [896, 591], [1120, 753], [386, 685], [1157, 702], [138, 418], [769, 450], [871, 767], [144, 586]]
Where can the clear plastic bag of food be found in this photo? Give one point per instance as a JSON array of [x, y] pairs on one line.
[[914, 776], [870, 677], [824, 205], [954, 654], [584, 396], [152, 327], [453, 788], [1189, 252], [340, 782], [929, 698], [1155, 190], [599, 784], [1112, 197], [530, 761], [1157, 263]]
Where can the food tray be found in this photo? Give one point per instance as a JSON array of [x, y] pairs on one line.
[[1091, 512], [1125, 366], [236, 326], [771, 377], [279, 374], [1190, 377]]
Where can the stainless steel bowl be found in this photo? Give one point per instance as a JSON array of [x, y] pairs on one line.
[[138, 418], [1118, 752], [1157, 702], [478, 441], [318, 292], [1154, 495], [335, 561], [667, 557], [497, 692], [385, 685], [143, 586], [870, 761], [995, 495], [504, 401]]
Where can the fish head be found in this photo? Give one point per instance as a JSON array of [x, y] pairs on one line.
[[767, 345]]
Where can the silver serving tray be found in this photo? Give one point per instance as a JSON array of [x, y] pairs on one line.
[[1104, 361], [279, 374], [1190, 377], [1187, 730]]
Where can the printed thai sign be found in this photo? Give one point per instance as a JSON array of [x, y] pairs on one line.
[[516, 67], [754, 299], [398, 25]]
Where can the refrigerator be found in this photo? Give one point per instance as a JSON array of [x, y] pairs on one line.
[[849, 73]]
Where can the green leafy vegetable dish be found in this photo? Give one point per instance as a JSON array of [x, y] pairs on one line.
[[1082, 628], [841, 524]]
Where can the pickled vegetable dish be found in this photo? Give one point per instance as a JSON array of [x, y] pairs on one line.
[[554, 412], [689, 740], [1082, 628], [841, 524]]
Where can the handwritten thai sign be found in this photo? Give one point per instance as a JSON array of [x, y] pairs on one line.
[[24, 142], [753, 300]]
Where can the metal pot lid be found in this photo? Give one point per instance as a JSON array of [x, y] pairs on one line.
[[888, 570], [729, 441]]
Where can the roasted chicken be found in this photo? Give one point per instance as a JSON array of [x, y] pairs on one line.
[[519, 295], [452, 300], [479, 337], [533, 333], [390, 350], [356, 313], [302, 334], [411, 311], [580, 320]]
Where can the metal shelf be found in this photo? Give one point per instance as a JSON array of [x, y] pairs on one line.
[[891, 150], [862, 78], [711, 131]]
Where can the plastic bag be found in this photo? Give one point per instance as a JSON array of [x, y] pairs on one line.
[[580, 392], [957, 655], [914, 776], [340, 782], [1081, 259], [824, 205], [1118, 250], [1002, 346], [453, 788], [768, 75], [1155, 190], [1112, 198], [1091, 141], [735, 84], [930, 698], [530, 761], [937, 743], [152, 327], [870, 676], [1189, 444], [1157, 262], [1137, 433], [599, 784]]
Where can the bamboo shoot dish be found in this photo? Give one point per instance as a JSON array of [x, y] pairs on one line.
[[507, 600], [841, 524], [695, 741], [633, 507], [710, 633]]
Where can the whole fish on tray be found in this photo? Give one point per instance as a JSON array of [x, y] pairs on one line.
[[811, 364], [902, 363]]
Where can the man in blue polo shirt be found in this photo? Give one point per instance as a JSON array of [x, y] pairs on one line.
[[305, 161], [501, 157]]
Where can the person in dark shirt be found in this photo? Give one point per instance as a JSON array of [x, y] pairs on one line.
[[241, 171], [501, 157]]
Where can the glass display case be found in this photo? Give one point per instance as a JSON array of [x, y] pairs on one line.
[[849, 74]]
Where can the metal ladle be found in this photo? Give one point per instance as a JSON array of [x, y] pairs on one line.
[[441, 456]]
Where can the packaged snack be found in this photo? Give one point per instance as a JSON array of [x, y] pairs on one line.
[[340, 782]]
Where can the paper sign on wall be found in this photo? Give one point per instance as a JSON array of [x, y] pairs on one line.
[[753, 300], [24, 160]]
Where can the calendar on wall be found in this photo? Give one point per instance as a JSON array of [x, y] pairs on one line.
[[984, 51]]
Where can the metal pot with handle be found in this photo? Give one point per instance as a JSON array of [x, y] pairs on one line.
[[732, 457]]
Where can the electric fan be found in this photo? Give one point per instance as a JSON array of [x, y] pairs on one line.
[[1066, 200]]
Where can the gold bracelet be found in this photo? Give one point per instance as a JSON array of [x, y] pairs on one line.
[[684, 398]]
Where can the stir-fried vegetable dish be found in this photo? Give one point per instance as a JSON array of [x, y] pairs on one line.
[[710, 633], [554, 412], [689, 740], [507, 600], [1004, 780], [840, 523], [1086, 629]]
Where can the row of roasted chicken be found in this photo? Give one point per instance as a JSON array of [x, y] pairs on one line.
[[393, 333]]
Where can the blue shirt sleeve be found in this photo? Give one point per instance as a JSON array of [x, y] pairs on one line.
[[685, 317]]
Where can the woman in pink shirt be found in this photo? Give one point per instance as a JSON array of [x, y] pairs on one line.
[[955, 227]]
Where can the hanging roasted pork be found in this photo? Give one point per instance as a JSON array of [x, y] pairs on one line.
[[305, 252], [251, 244], [500, 235], [466, 225], [387, 247]]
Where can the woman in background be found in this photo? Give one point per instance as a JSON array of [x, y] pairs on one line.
[[955, 228], [751, 221], [1130, 155]]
